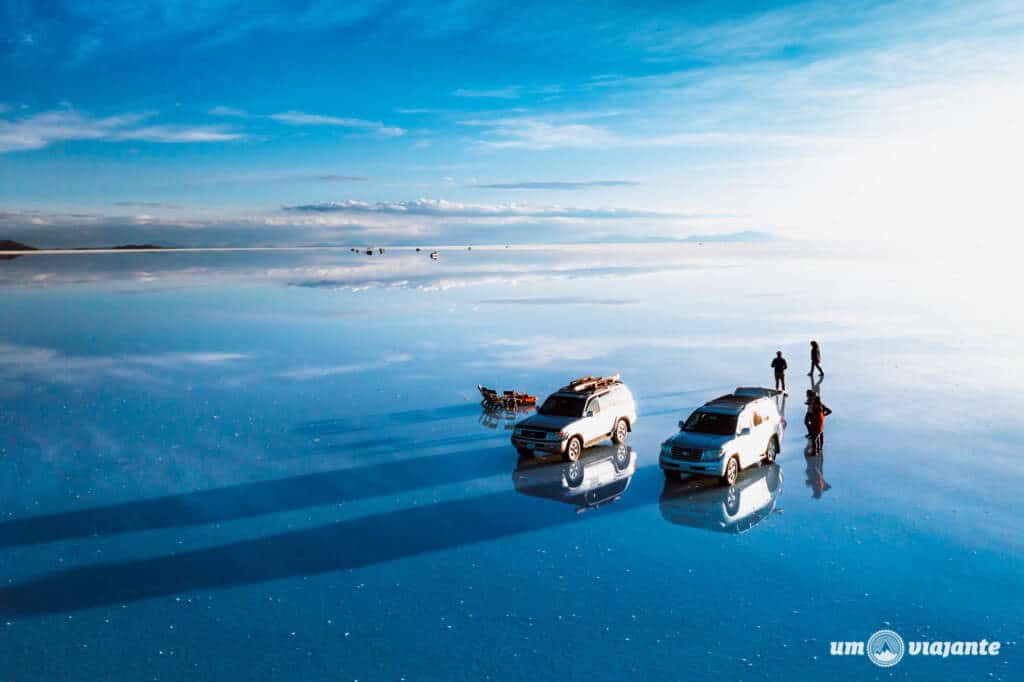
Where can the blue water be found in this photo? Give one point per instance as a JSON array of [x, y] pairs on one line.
[[274, 466]]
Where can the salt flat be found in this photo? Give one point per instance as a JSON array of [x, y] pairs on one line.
[[279, 457]]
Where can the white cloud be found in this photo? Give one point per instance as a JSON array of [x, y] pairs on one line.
[[443, 208], [228, 111], [299, 118], [558, 185], [538, 133], [510, 92], [173, 134], [42, 129]]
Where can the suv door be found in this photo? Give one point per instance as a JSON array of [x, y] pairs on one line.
[[746, 439], [599, 424], [762, 422]]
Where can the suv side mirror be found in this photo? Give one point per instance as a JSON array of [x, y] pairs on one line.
[[744, 432], [681, 424], [590, 413]]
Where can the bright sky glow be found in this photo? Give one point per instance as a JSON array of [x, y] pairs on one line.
[[260, 122]]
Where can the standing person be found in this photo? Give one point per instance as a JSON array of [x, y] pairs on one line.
[[780, 366], [809, 418], [815, 421], [815, 359]]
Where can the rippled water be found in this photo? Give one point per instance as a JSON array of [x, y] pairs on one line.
[[275, 466]]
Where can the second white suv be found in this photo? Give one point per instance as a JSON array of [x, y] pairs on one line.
[[726, 435], [584, 412]]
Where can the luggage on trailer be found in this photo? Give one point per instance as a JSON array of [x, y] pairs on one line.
[[506, 399]]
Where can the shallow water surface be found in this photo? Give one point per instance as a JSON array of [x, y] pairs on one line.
[[275, 466]]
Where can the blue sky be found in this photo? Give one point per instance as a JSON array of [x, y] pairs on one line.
[[432, 122]]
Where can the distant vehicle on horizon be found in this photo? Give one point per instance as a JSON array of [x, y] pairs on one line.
[[725, 436], [582, 413]]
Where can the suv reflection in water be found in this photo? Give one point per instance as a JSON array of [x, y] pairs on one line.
[[598, 477], [702, 503]]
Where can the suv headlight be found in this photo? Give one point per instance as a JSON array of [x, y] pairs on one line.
[[554, 435], [711, 454], [666, 449], [517, 432]]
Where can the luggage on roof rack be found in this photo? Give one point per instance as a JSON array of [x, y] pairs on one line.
[[590, 383]]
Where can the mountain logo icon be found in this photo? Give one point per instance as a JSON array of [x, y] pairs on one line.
[[885, 648]]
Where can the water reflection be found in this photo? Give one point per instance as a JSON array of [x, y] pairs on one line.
[[599, 477], [702, 503], [816, 380], [502, 417], [815, 471]]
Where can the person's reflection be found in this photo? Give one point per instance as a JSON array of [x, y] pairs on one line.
[[816, 384], [815, 471]]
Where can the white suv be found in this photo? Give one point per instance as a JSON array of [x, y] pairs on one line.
[[580, 414], [726, 435]]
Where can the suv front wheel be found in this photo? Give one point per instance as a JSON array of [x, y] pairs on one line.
[[619, 433], [732, 472], [573, 449]]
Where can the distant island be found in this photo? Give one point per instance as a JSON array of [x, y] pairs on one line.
[[11, 245]]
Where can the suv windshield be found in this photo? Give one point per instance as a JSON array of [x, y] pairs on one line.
[[562, 406], [711, 422]]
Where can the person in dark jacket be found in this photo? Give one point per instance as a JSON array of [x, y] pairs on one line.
[[815, 359], [780, 366]]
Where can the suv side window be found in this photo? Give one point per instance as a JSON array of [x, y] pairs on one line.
[[593, 406]]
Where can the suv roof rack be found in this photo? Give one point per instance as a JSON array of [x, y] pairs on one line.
[[590, 383], [733, 399]]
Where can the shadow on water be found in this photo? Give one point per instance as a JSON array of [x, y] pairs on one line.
[[329, 427], [337, 546], [255, 499], [358, 542], [679, 394], [404, 444]]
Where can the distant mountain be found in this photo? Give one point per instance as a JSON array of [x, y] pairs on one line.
[[10, 245]]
